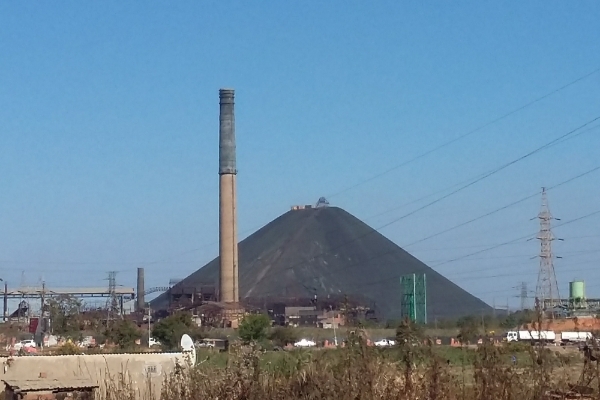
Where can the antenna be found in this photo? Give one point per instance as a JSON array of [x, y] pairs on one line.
[[188, 350], [547, 287]]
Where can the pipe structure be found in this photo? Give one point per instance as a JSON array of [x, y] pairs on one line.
[[228, 249], [140, 300]]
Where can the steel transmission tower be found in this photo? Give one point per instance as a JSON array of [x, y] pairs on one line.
[[547, 287], [523, 295], [112, 305]]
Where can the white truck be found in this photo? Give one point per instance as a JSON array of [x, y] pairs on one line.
[[530, 336], [385, 343], [574, 337], [305, 343]]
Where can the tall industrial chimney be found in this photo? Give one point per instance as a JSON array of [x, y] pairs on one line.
[[140, 290], [228, 249]]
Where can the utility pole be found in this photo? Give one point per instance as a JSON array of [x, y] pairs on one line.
[[333, 319], [547, 286], [43, 299], [41, 321], [5, 310], [149, 322], [346, 310]]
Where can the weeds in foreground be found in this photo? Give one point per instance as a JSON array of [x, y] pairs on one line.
[[363, 373]]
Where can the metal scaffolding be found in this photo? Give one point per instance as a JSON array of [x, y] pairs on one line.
[[414, 298]]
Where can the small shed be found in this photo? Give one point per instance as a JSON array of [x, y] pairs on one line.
[[49, 389]]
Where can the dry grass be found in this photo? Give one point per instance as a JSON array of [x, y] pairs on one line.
[[320, 334], [366, 373]]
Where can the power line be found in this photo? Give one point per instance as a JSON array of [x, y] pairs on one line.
[[464, 135], [581, 252], [473, 275], [502, 208], [520, 238], [513, 241], [423, 198], [479, 128], [395, 277], [549, 144], [487, 244], [502, 167], [362, 263], [146, 263]]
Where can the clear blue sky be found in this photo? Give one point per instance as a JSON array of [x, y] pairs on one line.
[[109, 130]]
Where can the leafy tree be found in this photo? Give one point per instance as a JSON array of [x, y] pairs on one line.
[[64, 315], [282, 336], [169, 331], [124, 334], [254, 327]]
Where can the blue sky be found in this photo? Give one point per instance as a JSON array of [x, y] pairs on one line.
[[109, 130]]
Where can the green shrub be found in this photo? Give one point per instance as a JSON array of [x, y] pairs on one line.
[[169, 331], [253, 327], [67, 349]]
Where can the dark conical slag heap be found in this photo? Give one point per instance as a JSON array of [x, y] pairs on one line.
[[329, 251]]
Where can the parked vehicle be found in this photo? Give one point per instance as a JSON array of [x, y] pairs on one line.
[[530, 336], [574, 337], [305, 343], [24, 344], [385, 343], [153, 342]]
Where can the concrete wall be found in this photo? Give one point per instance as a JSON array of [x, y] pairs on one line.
[[145, 372]]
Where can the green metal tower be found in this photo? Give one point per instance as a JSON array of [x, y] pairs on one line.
[[414, 298]]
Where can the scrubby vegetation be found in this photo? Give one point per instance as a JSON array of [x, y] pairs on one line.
[[169, 330], [124, 334], [362, 372], [254, 328]]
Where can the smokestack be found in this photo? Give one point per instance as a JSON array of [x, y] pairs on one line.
[[228, 250], [140, 289]]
